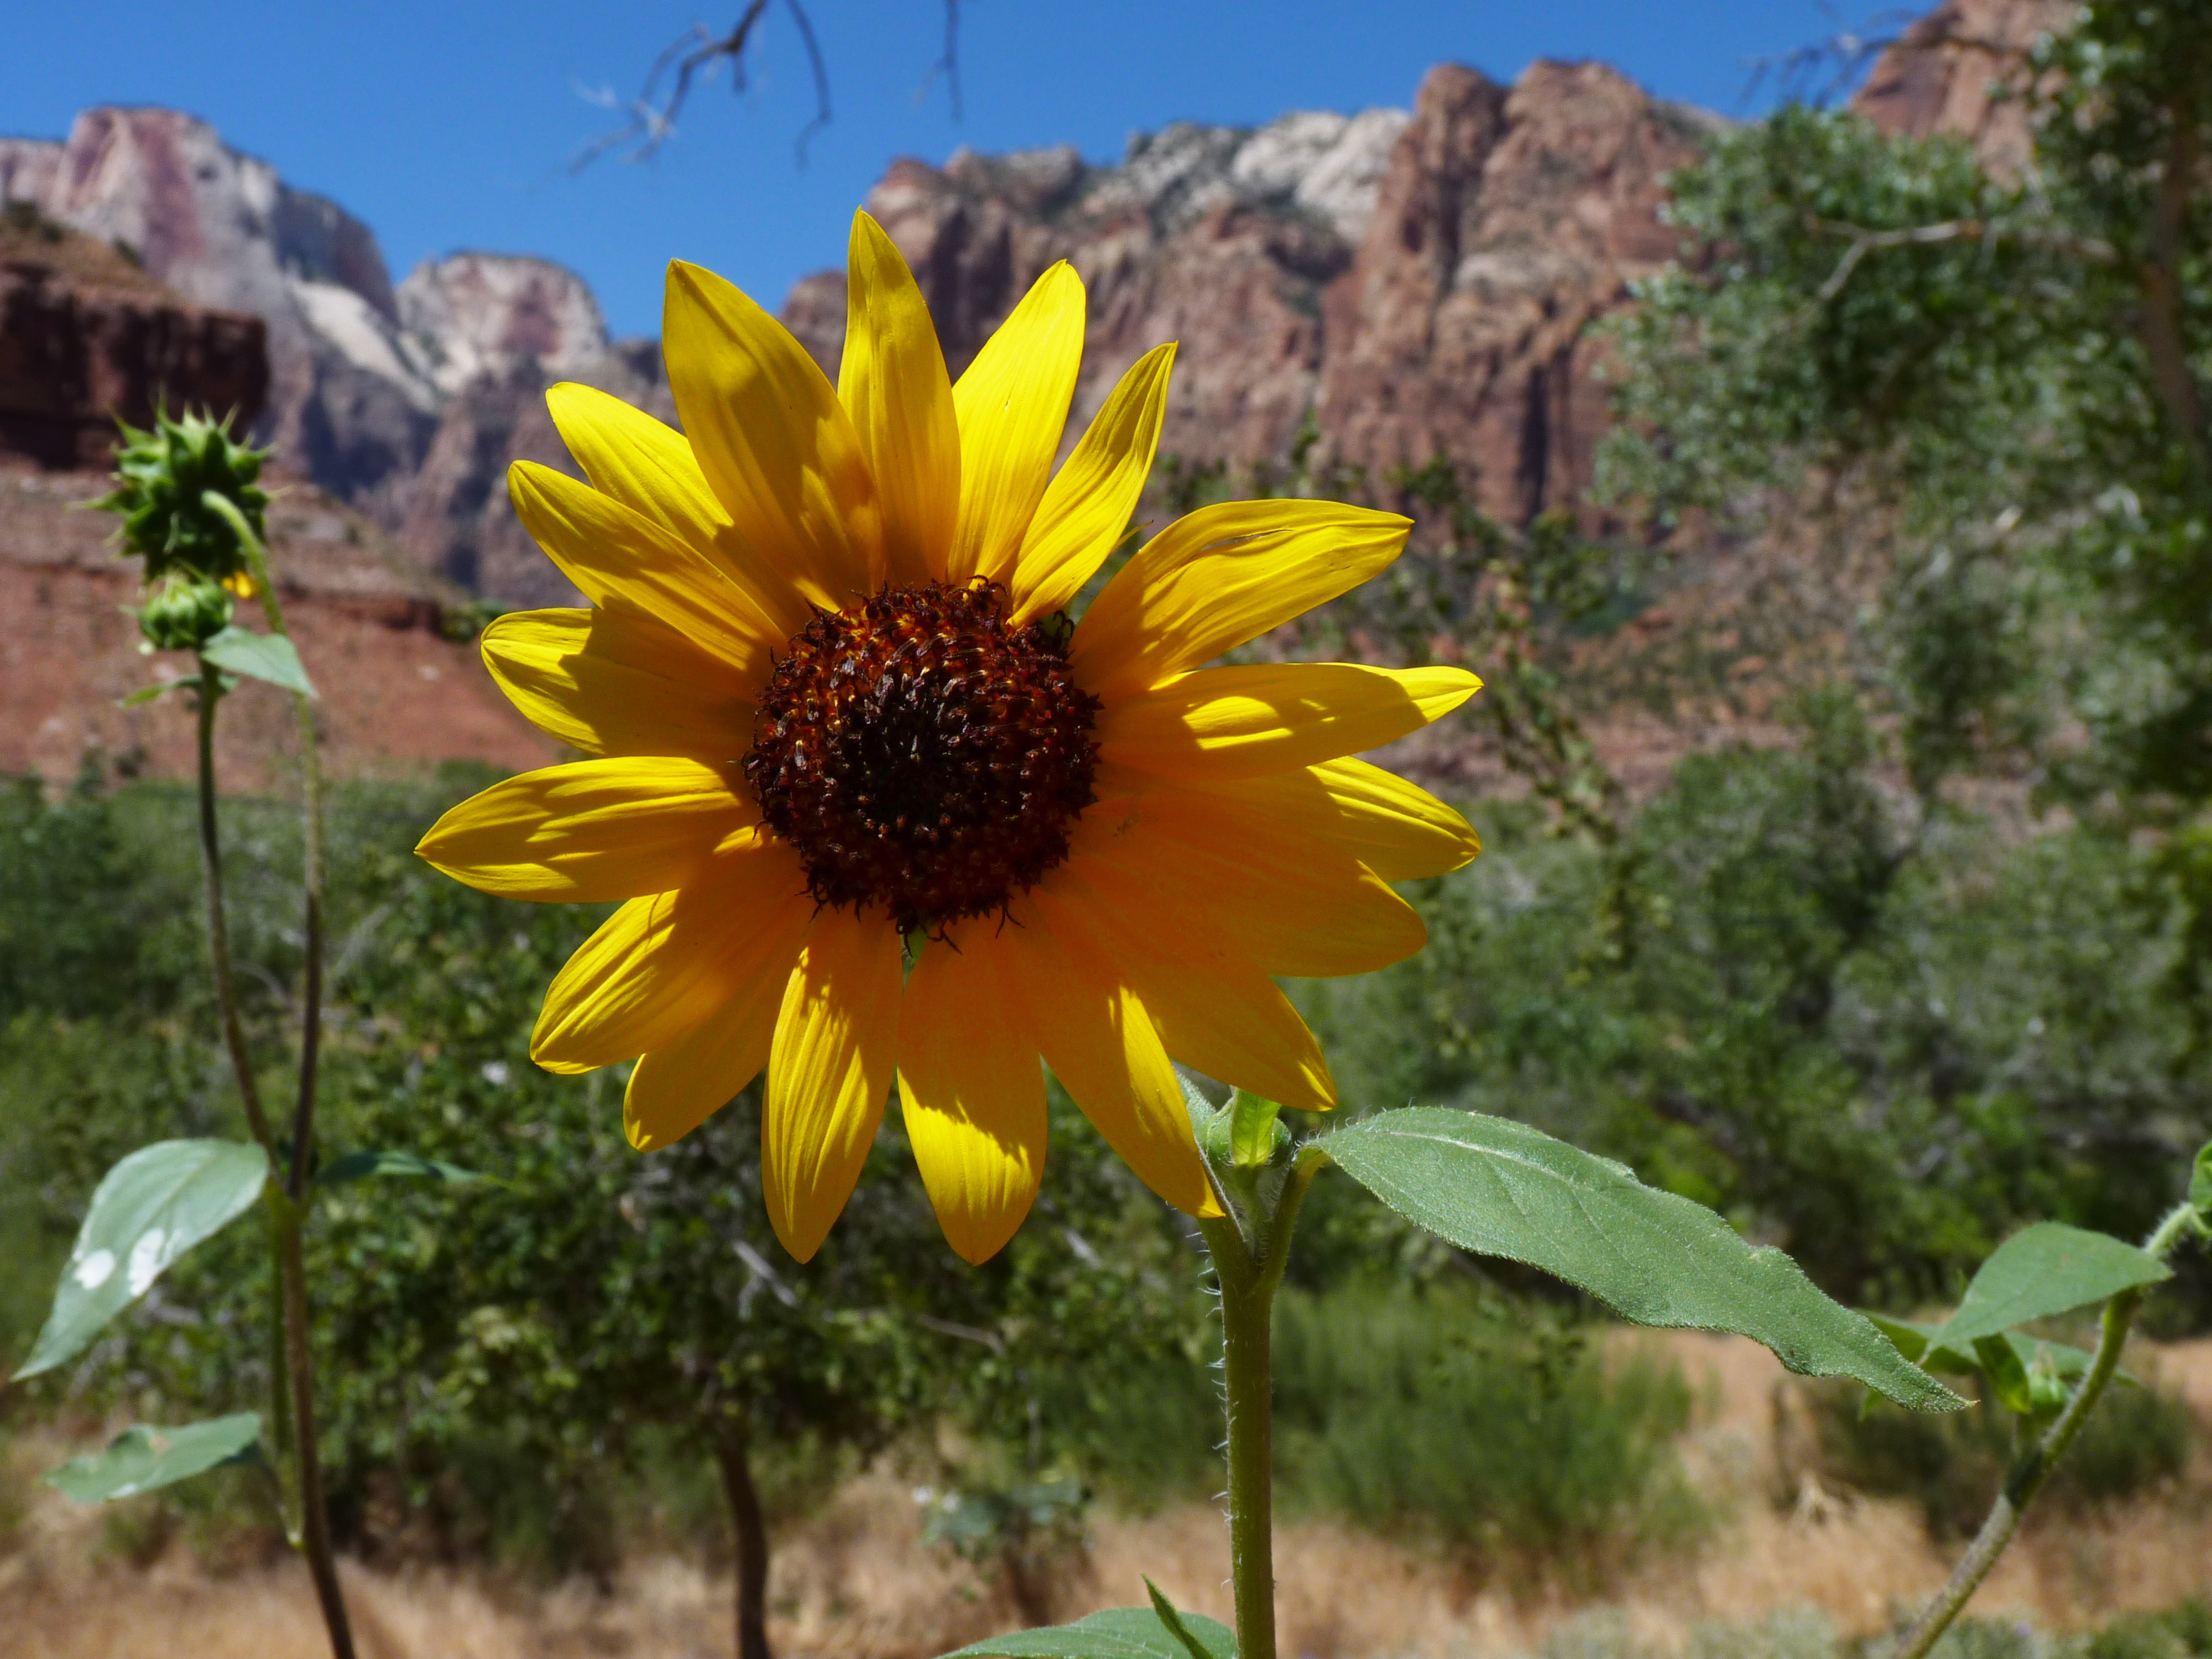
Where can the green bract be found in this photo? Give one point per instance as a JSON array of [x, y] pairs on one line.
[[184, 612], [162, 480]]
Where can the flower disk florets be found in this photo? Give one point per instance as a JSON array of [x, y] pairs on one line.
[[923, 754]]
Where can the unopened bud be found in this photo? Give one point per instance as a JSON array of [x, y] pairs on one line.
[[184, 612], [164, 479]]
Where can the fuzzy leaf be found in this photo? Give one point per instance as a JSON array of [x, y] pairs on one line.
[[268, 657], [140, 1458], [1117, 1633], [2043, 1270], [1498, 1187], [356, 1166], [148, 1211]]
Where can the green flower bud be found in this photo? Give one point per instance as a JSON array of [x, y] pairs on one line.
[[162, 482], [184, 612]]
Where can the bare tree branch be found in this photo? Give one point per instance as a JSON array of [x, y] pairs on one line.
[[650, 118], [948, 66], [1864, 241]]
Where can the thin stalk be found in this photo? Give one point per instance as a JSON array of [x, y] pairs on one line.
[[226, 991], [2031, 1470], [293, 1381], [1250, 1273], [303, 711], [314, 1516], [280, 1393]]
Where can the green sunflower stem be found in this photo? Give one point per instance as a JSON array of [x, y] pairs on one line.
[[2031, 1469], [1249, 1268]]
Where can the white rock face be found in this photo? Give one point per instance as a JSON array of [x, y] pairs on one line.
[[1310, 161], [488, 314], [360, 377], [367, 339], [1345, 174], [27, 167]]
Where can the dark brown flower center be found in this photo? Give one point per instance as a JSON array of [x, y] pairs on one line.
[[923, 754]]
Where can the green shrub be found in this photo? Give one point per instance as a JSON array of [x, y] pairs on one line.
[[2137, 1438], [1479, 1423]]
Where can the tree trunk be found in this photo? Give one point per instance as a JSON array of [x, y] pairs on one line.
[[751, 1533]]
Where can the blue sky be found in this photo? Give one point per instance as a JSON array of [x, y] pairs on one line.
[[446, 125]]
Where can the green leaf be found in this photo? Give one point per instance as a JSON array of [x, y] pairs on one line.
[[148, 1211], [146, 694], [1117, 1633], [141, 1459], [258, 656], [2009, 1362], [2044, 1270], [355, 1166], [2006, 1371], [2200, 1185], [1252, 1130], [1170, 1615], [1501, 1189]]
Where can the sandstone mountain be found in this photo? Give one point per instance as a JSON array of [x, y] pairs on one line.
[[1413, 284], [1389, 286], [363, 375], [86, 334]]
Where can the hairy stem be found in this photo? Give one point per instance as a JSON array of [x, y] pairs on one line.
[[2031, 1469], [1250, 1273]]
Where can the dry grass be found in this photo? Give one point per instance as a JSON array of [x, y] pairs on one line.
[[854, 1580]]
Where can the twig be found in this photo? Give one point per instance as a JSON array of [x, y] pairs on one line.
[[1864, 241], [699, 52]]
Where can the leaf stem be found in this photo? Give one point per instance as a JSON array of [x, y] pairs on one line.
[[2031, 1469]]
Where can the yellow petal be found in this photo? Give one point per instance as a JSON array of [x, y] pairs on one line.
[[1100, 1042], [893, 384], [593, 831], [615, 683], [650, 469], [1214, 1010], [1228, 723], [973, 1094], [661, 966], [624, 562], [676, 1089], [830, 1066], [1397, 828], [1222, 575], [1012, 404], [1281, 897], [1086, 507], [772, 441]]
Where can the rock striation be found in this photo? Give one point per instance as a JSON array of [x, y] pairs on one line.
[[87, 337], [222, 229], [405, 402]]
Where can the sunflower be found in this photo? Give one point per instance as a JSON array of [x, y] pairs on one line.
[[878, 814]]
